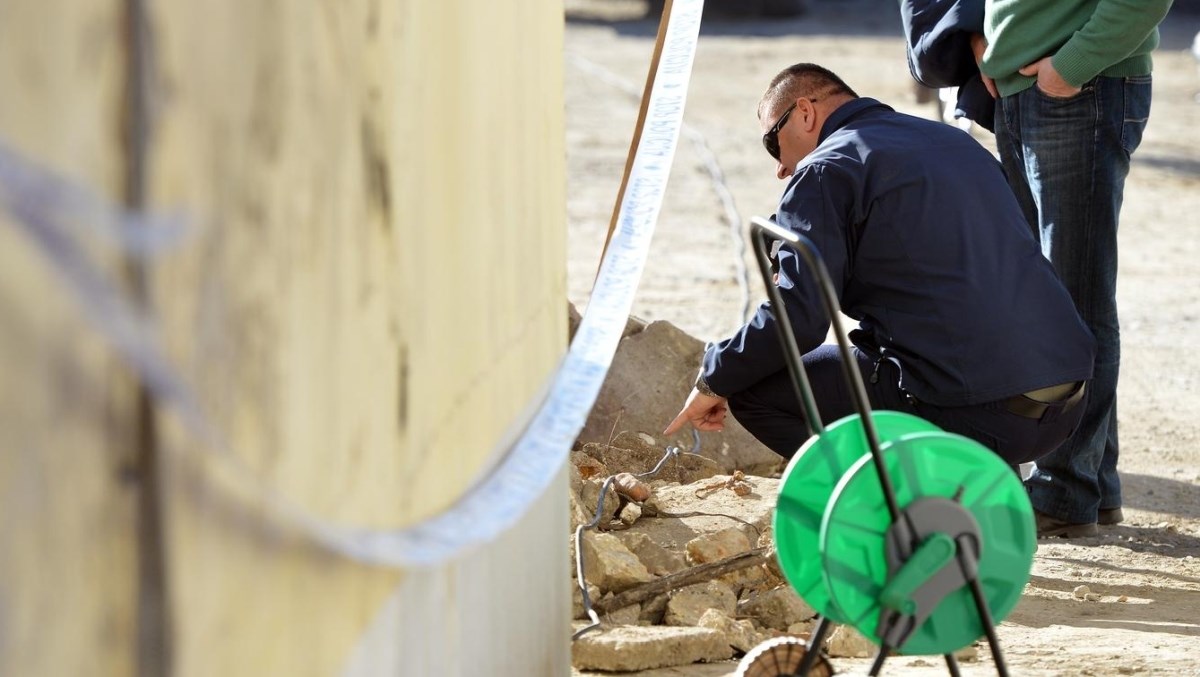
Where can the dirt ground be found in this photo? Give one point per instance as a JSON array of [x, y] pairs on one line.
[[1146, 570]]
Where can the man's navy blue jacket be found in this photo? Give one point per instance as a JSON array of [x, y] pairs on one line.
[[939, 52], [930, 252]]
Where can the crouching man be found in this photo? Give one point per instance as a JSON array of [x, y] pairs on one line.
[[962, 321]]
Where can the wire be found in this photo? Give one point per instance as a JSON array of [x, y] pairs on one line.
[[580, 574]]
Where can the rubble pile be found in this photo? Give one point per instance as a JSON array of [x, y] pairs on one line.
[[693, 520], [680, 567]]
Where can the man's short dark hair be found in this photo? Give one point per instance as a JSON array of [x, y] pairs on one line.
[[803, 80]]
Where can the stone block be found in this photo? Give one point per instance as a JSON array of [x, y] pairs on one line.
[[632, 648]]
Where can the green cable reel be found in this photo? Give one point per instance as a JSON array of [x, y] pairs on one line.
[[920, 539], [805, 489], [858, 579]]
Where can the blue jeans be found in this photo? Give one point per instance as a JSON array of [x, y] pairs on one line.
[[1067, 159]]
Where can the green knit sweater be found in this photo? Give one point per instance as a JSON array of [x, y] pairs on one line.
[[1086, 38]]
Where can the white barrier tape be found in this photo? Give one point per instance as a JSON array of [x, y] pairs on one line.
[[502, 496], [30, 189], [500, 500]]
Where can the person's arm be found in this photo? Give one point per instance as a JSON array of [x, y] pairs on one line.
[[1115, 30], [704, 409], [815, 204], [979, 46], [938, 34]]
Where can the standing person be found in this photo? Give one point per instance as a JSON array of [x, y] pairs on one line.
[[1072, 81], [961, 319]]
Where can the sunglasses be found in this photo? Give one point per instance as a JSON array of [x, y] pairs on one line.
[[771, 138]]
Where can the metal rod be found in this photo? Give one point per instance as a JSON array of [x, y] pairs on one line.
[[952, 665], [787, 338], [970, 568], [814, 646], [877, 664], [761, 227]]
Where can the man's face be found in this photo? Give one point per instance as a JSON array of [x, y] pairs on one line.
[[784, 134]]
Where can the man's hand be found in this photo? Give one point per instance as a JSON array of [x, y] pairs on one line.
[[978, 47], [1048, 79], [704, 412]]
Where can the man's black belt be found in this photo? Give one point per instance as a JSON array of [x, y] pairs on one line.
[[1034, 404]]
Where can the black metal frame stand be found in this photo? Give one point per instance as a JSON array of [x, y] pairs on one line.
[[966, 558]]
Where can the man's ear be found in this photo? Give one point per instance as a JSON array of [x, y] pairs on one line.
[[807, 112]]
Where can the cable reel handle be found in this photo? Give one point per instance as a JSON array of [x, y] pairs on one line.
[[760, 228]]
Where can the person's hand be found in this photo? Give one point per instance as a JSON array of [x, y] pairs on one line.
[[1048, 79], [978, 47], [704, 412]]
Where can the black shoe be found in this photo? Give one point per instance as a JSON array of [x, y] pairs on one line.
[[1050, 527], [1110, 516]]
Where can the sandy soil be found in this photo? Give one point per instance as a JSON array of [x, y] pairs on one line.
[[1146, 570]]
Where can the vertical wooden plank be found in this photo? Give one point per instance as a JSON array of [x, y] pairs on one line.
[[68, 564]]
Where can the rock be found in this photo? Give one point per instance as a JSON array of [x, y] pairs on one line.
[[658, 560], [578, 611], [846, 642], [630, 514], [714, 547], [802, 629], [579, 514], [624, 616], [590, 496], [628, 649], [967, 654], [587, 466], [653, 610], [777, 608], [652, 372], [609, 564], [741, 635], [751, 579], [633, 453], [1081, 591], [688, 604], [752, 513]]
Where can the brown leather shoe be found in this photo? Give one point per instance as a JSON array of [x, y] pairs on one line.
[[1110, 516], [1049, 527]]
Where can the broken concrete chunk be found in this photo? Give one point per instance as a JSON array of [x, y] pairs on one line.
[[846, 642], [967, 654], [741, 635], [591, 498], [651, 373], [630, 452], [630, 514], [687, 605], [713, 547], [750, 579], [588, 466], [777, 608], [624, 616], [609, 564], [654, 609], [658, 560], [578, 610], [628, 649]]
